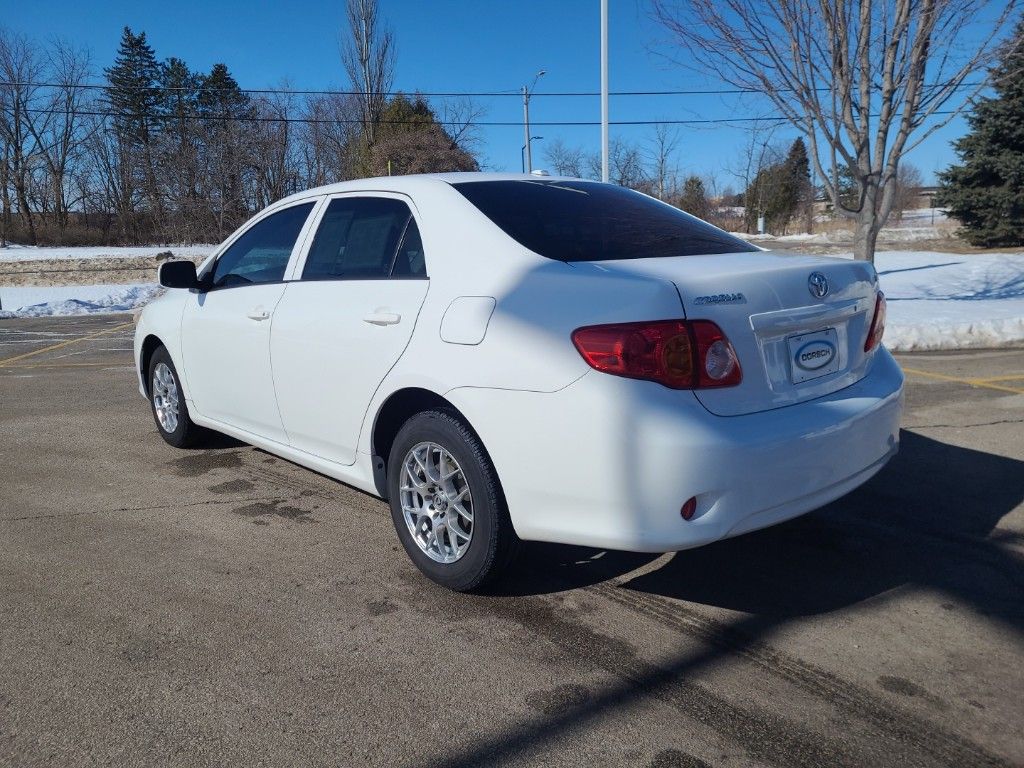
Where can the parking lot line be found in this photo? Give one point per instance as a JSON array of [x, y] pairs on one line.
[[32, 366], [1009, 377], [985, 383], [7, 362]]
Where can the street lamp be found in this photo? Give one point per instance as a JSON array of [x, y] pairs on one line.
[[528, 162], [522, 152]]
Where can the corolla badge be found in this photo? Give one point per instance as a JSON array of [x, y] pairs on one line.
[[817, 284], [815, 354]]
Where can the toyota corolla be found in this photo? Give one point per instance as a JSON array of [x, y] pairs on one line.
[[509, 358]]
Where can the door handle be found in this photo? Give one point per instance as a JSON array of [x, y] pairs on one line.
[[383, 318], [259, 313]]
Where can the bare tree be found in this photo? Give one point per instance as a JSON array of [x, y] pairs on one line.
[[664, 174], [368, 55], [754, 155], [626, 166], [21, 70], [864, 82], [460, 117], [565, 160], [59, 130], [328, 137], [272, 150], [908, 189]]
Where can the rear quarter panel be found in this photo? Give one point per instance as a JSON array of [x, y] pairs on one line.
[[538, 303]]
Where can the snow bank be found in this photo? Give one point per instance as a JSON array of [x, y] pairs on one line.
[[907, 233], [936, 300], [952, 301], [31, 253], [40, 301]]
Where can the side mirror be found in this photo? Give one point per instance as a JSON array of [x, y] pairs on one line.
[[178, 274]]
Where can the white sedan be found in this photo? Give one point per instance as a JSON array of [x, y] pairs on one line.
[[508, 357]]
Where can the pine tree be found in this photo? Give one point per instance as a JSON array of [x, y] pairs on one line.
[[798, 190], [133, 96], [779, 189], [694, 198], [132, 91], [178, 166], [985, 191], [227, 114]]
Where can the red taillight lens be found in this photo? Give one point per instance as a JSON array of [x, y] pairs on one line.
[[679, 354], [877, 324]]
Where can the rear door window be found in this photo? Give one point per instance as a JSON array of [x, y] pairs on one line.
[[359, 238], [261, 253], [588, 221]]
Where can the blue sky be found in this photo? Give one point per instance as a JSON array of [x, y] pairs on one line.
[[447, 45]]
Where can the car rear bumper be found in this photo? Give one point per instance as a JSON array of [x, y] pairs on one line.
[[608, 462]]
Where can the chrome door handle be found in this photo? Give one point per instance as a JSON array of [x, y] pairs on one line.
[[258, 314], [383, 318]]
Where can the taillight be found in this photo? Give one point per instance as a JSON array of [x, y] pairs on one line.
[[877, 324], [680, 354]]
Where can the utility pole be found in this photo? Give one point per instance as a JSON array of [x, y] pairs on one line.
[[604, 90], [526, 120]]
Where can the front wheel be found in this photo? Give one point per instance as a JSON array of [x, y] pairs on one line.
[[170, 411], [446, 502]]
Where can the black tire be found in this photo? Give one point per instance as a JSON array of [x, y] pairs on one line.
[[494, 542], [186, 434]]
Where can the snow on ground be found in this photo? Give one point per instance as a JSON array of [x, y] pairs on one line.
[[952, 301], [40, 301], [49, 253], [936, 300], [906, 233], [919, 217]]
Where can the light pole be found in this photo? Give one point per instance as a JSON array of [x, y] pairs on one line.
[[604, 90], [522, 152], [528, 162]]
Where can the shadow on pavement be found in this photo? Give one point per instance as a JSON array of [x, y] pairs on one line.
[[930, 520]]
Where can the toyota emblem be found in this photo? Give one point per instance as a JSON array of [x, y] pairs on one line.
[[817, 284]]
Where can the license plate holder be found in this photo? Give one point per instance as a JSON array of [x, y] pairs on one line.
[[813, 355]]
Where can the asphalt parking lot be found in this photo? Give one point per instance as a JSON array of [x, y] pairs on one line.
[[225, 607]]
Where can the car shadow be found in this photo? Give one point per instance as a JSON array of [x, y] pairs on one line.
[[929, 520]]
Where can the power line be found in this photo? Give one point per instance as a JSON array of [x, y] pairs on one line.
[[439, 94], [307, 92], [347, 121]]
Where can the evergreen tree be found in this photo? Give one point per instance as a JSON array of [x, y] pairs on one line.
[[694, 198], [778, 190], [798, 191], [133, 96], [221, 97], [227, 125], [985, 191], [409, 139], [178, 167], [132, 91]]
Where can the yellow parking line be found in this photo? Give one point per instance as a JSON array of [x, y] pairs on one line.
[[970, 382], [1010, 377], [27, 366], [7, 362]]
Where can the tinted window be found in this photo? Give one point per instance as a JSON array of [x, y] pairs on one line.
[[587, 221], [410, 262], [261, 254], [357, 237]]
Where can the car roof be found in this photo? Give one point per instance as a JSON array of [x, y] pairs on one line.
[[418, 182]]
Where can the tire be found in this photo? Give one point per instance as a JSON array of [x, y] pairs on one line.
[[166, 392], [492, 542]]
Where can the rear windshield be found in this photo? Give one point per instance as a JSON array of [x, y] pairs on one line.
[[588, 221]]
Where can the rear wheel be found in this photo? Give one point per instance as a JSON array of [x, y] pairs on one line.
[[168, 403], [446, 502]]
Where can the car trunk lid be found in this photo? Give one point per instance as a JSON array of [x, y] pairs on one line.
[[792, 344]]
